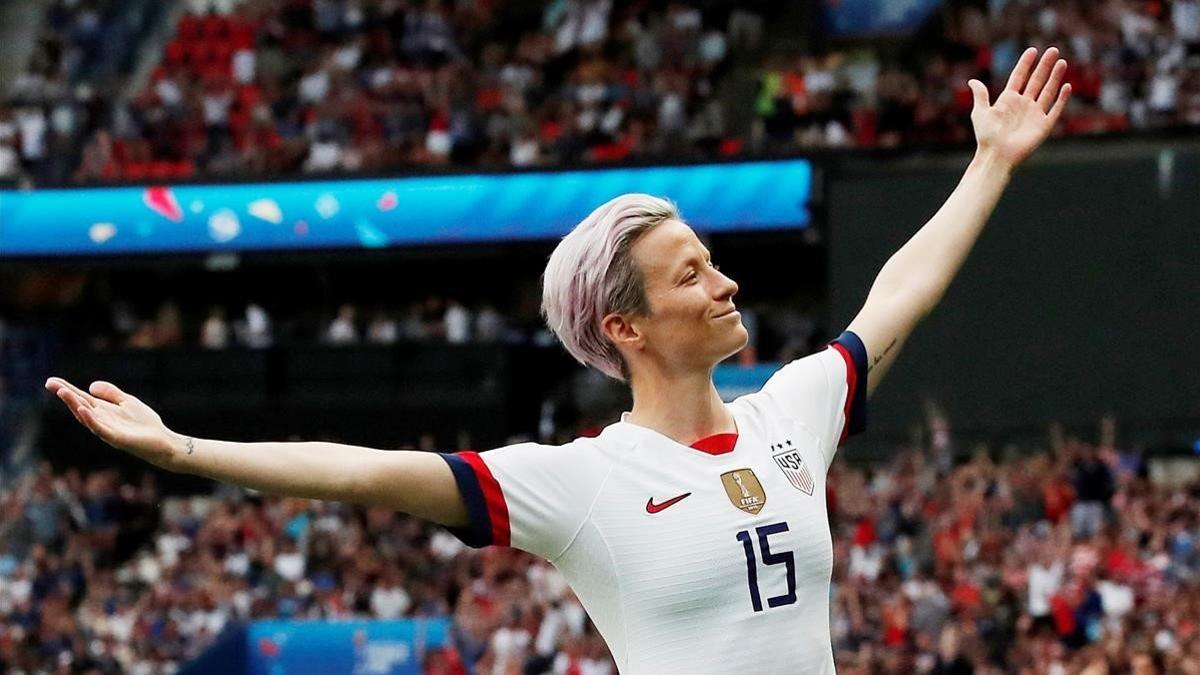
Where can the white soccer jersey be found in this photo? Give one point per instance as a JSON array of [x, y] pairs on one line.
[[710, 558]]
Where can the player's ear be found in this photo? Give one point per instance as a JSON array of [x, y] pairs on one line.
[[621, 331]]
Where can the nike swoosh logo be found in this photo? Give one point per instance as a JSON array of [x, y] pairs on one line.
[[651, 507]]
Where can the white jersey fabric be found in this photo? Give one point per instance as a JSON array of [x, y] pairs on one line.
[[709, 558]]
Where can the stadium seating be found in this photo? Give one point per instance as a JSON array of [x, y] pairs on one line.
[[646, 83], [1064, 557]]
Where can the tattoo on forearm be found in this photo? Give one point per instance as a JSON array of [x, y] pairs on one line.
[[191, 445], [879, 357]]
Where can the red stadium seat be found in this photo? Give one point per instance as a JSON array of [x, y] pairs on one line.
[[242, 36], [248, 95], [198, 53], [214, 27], [550, 130], [964, 99], [110, 171], [730, 147], [120, 150], [1095, 122], [214, 70], [161, 170], [136, 170], [610, 152], [1086, 80], [175, 52], [866, 126], [488, 99], [239, 119], [189, 28], [222, 51]]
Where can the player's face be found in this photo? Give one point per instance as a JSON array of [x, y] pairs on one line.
[[692, 322]]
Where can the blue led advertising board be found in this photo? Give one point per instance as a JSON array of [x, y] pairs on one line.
[[385, 212]]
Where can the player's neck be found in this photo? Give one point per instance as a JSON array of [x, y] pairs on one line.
[[683, 408]]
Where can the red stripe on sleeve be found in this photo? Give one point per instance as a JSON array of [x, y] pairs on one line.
[[493, 496], [851, 385]]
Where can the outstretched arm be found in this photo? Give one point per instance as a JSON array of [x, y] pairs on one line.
[[420, 483], [914, 279]]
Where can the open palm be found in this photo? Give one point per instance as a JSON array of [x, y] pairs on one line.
[[1027, 109], [117, 418]]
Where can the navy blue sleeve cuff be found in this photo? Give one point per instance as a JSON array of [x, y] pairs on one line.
[[856, 379], [479, 532]]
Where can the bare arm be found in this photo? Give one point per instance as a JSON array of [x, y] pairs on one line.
[[916, 277], [419, 483]]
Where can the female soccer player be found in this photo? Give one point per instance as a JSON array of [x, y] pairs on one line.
[[693, 531]]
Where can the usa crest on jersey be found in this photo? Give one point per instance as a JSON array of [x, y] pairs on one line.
[[794, 467]]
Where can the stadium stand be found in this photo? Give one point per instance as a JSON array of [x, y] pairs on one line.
[[1134, 66], [392, 85], [948, 560]]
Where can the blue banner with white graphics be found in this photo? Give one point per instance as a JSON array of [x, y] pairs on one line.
[[863, 18], [350, 647], [384, 212]]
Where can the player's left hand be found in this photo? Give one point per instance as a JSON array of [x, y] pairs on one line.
[[1025, 112]]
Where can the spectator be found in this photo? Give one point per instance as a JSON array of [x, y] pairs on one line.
[[145, 336], [1045, 580], [214, 333], [254, 330], [488, 324], [389, 600], [458, 323], [9, 158], [342, 330], [168, 327], [1093, 490], [383, 329]]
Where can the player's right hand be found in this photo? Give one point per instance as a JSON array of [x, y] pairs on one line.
[[119, 419], [1025, 111]]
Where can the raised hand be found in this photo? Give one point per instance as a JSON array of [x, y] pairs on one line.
[[1025, 112], [120, 420]]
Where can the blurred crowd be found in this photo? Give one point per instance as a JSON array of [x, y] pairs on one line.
[[281, 87], [1133, 65], [777, 332], [257, 87], [1068, 559], [81, 59], [103, 576], [318, 86], [434, 319]]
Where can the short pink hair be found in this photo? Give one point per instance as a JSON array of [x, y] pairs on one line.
[[592, 274]]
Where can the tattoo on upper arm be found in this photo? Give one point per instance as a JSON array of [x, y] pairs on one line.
[[191, 445], [879, 357]]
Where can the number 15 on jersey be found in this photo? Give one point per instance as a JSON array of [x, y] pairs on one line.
[[787, 558]]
